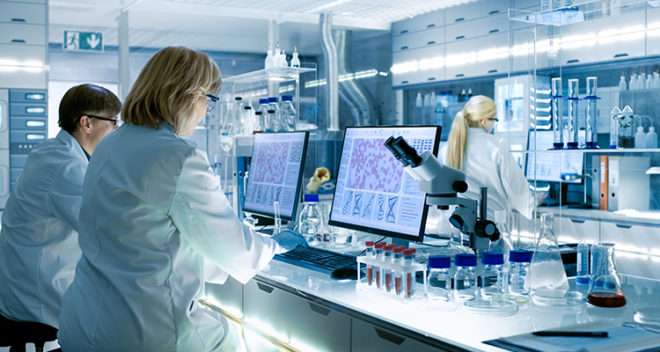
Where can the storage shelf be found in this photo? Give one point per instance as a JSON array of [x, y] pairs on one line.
[[281, 74], [599, 151]]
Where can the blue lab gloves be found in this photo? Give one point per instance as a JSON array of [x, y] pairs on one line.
[[289, 239]]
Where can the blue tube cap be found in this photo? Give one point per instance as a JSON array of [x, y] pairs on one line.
[[439, 262], [311, 198], [493, 258], [520, 256], [263, 101], [273, 100], [287, 98], [466, 260]]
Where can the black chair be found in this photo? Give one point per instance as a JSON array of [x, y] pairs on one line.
[[16, 334]]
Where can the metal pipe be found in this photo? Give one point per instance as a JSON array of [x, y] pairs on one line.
[[349, 90], [332, 76]]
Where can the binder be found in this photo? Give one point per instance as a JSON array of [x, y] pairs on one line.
[[603, 203]]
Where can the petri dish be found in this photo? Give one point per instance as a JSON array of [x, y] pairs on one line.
[[495, 306], [570, 299]]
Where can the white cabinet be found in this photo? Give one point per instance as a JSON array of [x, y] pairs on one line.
[[16, 12], [524, 44], [367, 337], [478, 57], [431, 20], [477, 9], [302, 322], [229, 294], [575, 229], [631, 242], [418, 39], [30, 34], [478, 27], [653, 33]]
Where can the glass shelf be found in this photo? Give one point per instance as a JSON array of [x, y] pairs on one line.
[[280, 74], [599, 151]]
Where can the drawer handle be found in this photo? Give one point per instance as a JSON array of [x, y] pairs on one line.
[[616, 56], [265, 288], [494, 12], [493, 31], [431, 79], [18, 41], [460, 37], [460, 19], [405, 82], [405, 47], [578, 221], [318, 309], [432, 25], [387, 336], [573, 61], [493, 71], [404, 31], [35, 96], [432, 42], [459, 75], [622, 226], [16, 19]]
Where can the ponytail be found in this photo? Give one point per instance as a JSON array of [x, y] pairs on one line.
[[457, 141]]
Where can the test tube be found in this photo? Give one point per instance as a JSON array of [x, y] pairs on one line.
[[557, 120], [591, 114], [409, 273], [573, 105], [370, 255], [379, 247], [277, 219], [395, 271], [385, 269]]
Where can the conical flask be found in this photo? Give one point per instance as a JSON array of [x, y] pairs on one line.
[[547, 279], [605, 290]]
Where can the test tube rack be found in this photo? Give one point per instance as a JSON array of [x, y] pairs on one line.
[[403, 286]]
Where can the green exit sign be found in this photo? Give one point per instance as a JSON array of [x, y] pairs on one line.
[[83, 41]]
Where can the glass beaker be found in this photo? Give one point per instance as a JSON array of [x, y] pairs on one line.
[[574, 124], [557, 114], [626, 133], [605, 290], [591, 113], [547, 279]]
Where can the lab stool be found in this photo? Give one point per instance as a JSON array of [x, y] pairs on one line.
[[16, 334]]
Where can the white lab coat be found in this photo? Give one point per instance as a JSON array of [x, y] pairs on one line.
[[39, 240], [489, 163], [152, 212]]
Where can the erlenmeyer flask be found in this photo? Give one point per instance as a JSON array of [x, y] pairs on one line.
[[605, 290], [547, 279]]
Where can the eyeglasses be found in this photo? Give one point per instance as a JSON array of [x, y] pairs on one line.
[[114, 121], [495, 119], [213, 100]]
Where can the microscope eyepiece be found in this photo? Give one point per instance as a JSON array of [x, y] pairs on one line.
[[403, 152]]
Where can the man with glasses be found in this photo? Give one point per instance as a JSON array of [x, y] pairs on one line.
[[39, 239]]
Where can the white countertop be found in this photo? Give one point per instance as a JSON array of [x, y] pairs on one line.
[[647, 218], [454, 324]]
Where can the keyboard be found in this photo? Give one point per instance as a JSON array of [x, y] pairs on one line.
[[318, 259]]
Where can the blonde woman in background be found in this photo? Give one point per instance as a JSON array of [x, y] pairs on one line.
[[486, 162], [155, 224]]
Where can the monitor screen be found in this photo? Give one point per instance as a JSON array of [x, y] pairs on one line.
[[374, 193], [543, 164], [276, 173]]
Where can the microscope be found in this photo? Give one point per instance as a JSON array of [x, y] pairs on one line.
[[442, 185]]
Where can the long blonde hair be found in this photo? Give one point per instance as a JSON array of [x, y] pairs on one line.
[[475, 111], [168, 87]]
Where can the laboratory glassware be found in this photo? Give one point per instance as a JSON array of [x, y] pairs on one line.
[[605, 290], [277, 219], [591, 113], [395, 271], [370, 252], [615, 116], [547, 278], [582, 274], [409, 284], [652, 138], [288, 111], [309, 223], [640, 138], [439, 277], [573, 113], [626, 122], [465, 278], [557, 114], [379, 253], [493, 276], [295, 58], [385, 272], [519, 261]]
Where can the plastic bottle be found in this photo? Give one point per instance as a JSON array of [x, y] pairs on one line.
[[419, 101], [582, 275], [370, 254], [465, 278], [409, 283], [519, 261], [259, 120], [379, 252], [439, 277], [626, 136], [640, 138], [623, 86], [632, 81], [651, 138], [615, 115], [310, 217], [493, 276], [268, 63], [288, 111], [248, 124], [276, 119], [649, 82], [656, 80], [295, 59]]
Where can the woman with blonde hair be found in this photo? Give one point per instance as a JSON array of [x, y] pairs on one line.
[[486, 162], [155, 224]]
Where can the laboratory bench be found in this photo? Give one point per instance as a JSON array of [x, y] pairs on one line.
[[312, 312]]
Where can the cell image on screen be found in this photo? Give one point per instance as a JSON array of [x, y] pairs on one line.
[[373, 192], [543, 164], [275, 173]]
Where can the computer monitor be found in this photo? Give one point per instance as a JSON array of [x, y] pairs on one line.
[[544, 164], [275, 173], [374, 193]]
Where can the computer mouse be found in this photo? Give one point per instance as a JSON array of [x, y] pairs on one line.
[[346, 273]]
